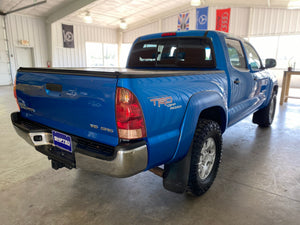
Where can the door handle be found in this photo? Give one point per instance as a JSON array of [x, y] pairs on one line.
[[236, 81]]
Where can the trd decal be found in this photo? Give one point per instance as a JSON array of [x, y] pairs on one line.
[[162, 101], [165, 101]]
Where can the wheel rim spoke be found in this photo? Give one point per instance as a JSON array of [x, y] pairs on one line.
[[207, 158]]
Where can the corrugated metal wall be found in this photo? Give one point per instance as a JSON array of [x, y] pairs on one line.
[[76, 57], [169, 23], [130, 36], [274, 21], [244, 22], [31, 29], [238, 23], [5, 77]]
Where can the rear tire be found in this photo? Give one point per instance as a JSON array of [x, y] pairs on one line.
[[265, 116], [206, 156]]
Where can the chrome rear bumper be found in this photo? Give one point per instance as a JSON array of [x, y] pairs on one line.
[[126, 159], [127, 162]]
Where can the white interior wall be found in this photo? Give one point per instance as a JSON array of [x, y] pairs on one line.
[[32, 29], [266, 22], [244, 22], [130, 36], [76, 57], [5, 77], [169, 23], [238, 23]]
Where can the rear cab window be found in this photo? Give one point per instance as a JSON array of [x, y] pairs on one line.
[[180, 52]]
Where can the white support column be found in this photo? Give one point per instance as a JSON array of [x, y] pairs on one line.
[[11, 53], [120, 41], [250, 22], [8, 49], [49, 43], [160, 25]]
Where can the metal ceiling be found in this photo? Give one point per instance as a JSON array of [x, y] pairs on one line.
[[108, 13]]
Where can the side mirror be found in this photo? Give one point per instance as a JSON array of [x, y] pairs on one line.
[[270, 63]]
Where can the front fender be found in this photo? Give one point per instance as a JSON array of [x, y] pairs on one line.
[[273, 84], [197, 103]]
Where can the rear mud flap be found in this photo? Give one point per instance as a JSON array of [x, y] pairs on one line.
[[176, 175]]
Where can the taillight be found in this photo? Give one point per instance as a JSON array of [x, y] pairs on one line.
[[129, 115], [15, 92]]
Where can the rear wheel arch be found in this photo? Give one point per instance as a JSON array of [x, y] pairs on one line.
[[199, 105], [217, 114]]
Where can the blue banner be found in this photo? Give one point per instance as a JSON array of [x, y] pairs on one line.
[[202, 18]]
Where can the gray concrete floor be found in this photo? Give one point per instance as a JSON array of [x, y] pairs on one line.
[[258, 182]]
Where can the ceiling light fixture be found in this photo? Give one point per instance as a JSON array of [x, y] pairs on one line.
[[123, 24], [195, 2], [88, 18]]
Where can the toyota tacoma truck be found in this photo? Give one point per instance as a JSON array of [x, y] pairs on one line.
[[165, 112]]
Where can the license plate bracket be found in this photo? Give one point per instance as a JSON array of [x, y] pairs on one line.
[[62, 141]]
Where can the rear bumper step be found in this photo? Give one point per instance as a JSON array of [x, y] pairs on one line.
[[124, 160]]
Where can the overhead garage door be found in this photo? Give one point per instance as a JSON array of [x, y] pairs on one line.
[[5, 77]]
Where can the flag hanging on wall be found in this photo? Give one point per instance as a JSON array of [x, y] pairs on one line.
[[68, 36], [183, 21], [223, 19], [202, 18]]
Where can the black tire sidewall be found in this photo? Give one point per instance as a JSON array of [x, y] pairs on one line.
[[262, 117], [206, 129], [274, 108]]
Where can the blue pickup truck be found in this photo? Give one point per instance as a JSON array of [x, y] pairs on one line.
[[165, 112]]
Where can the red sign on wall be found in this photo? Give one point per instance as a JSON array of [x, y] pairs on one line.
[[223, 19]]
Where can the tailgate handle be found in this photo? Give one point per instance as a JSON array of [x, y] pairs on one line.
[[54, 87]]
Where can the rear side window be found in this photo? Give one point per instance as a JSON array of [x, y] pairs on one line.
[[236, 54], [173, 53]]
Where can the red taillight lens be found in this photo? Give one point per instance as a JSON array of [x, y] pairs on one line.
[[129, 115], [15, 92]]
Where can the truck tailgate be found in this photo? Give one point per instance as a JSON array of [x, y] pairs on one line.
[[82, 105]]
